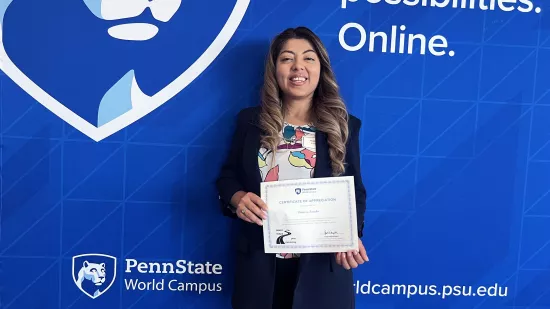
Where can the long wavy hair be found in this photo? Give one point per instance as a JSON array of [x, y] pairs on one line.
[[329, 113]]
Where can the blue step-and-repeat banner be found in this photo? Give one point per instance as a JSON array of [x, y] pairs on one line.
[[116, 117]]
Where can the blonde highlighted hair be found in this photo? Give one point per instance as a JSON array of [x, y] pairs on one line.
[[329, 112]]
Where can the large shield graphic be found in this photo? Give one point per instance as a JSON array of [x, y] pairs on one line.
[[94, 273], [101, 65]]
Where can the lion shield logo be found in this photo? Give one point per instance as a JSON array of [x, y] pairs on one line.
[[101, 65], [94, 274]]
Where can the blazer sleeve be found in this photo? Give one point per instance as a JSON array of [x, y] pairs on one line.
[[353, 160], [228, 181]]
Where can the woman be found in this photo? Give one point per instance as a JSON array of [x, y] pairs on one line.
[[301, 130]]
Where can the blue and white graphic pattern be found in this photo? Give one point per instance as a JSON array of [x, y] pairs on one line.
[[455, 150]]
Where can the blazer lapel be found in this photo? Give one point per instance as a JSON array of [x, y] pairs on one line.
[[323, 167], [250, 157]]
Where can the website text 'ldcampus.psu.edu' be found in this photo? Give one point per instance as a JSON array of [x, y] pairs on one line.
[[443, 291]]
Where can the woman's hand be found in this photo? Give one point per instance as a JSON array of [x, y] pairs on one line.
[[352, 259], [250, 207]]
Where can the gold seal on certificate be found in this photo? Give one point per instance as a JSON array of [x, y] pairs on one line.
[[310, 216]]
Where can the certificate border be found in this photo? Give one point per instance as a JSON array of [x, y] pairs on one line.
[[346, 179]]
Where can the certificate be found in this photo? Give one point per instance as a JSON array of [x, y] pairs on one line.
[[310, 216]]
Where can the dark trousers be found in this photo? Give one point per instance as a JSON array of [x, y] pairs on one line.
[[285, 283]]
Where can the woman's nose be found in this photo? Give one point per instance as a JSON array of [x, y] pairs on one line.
[[297, 66]]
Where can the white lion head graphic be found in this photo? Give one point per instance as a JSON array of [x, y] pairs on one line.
[[101, 65], [93, 272]]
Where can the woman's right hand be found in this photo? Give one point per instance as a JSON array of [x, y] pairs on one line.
[[250, 207]]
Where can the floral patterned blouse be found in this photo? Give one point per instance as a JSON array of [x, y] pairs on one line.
[[295, 159]]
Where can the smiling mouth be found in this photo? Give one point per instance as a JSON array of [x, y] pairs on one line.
[[298, 80]]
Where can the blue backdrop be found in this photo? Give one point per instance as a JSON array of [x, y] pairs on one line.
[[455, 147]]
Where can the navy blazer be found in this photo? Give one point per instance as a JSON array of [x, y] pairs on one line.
[[322, 283]]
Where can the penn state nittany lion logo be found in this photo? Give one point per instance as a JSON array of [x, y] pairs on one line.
[[94, 274], [101, 65]]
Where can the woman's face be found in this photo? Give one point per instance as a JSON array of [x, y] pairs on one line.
[[298, 69]]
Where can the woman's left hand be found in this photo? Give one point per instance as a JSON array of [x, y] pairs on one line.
[[352, 259]]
